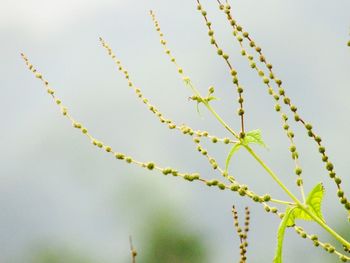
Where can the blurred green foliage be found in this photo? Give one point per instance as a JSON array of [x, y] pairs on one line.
[[59, 255], [169, 240]]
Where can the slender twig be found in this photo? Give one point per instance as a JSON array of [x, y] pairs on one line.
[[133, 251]]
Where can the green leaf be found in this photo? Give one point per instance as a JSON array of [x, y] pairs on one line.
[[314, 200], [287, 221], [254, 137], [234, 149]]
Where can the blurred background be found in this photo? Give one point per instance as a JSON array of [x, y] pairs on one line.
[[62, 200]]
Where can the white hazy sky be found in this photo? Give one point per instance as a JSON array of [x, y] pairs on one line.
[[57, 189]]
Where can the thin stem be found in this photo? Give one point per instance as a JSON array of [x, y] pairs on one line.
[[297, 202], [272, 174]]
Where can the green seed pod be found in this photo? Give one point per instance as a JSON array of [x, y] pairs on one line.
[[234, 187], [286, 100], [318, 139], [347, 205], [150, 166], [227, 140], [204, 13], [332, 174], [220, 52], [343, 200], [340, 193], [225, 56], [119, 156], [342, 257], [242, 192], [298, 171], [256, 198], [77, 125], [314, 238], [108, 149], [299, 182], [308, 126], [245, 34], [274, 210], [128, 159], [321, 149], [240, 112], [266, 80], [277, 107], [329, 166], [296, 117], [84, 130], [214, 140], [337, 180], [240, 89], [290, 134], [210, 32], [214, 182], [221, 186], [266, 198]]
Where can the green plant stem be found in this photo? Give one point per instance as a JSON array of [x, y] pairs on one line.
[[297, 202], [273, 175]]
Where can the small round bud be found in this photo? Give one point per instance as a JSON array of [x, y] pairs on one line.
[[308, 126], [108, 149], [119, 156], [299, 182], [298, 171], [221, 186], [340, 193], [266, 198], [226, 140], [332, 174], [220, 52], [329, 166], [150, 166], [240, 112], [337, 180], [214, 140], [321, 149]]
